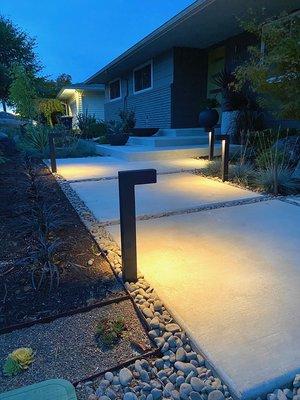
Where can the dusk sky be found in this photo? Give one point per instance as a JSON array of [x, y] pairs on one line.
[[79, 37]]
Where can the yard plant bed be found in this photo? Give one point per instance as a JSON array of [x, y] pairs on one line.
[[68, 348], [28, 294]]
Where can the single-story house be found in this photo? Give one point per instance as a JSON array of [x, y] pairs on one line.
[[165, 76], [83, 98]]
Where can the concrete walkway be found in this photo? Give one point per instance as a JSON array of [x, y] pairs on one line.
[[74, 169], [230, 275]]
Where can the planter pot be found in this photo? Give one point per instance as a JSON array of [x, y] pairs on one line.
[[144, 132], [119, 139], [229, 122], [208, 118]]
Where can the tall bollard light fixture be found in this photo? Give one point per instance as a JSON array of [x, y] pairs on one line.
[[52, 153], [127, 182], [211, 144], [225, 142]]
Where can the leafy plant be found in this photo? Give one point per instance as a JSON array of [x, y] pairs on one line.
[[89, 126], [35, 139], [24, 356], [18, 361], [128, 120], [11, 367], [209, 103], [49, 107], [110, 331], [272, 70]]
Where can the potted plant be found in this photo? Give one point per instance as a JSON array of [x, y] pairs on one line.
[[118, 131], [209, 116], [232, 101]]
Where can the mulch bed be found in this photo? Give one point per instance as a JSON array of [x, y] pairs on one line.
[[67, 347], [80, 284]]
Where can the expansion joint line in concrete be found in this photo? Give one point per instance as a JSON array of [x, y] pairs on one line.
[[204, 207], [110, 178]]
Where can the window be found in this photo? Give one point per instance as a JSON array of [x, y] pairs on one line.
[[115, 89], [142, 78]]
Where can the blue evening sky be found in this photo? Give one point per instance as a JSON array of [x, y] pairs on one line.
[[79, 37]]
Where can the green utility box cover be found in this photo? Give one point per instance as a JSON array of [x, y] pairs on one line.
[[52, 389]]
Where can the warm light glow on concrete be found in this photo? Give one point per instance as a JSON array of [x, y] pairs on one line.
[[231, 278]]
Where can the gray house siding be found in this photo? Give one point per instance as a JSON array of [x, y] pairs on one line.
[[152, 107], [189, 88]]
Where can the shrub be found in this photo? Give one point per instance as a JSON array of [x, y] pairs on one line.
[[35, 140], [90, 127], [242, 174], [278, 181], [109, 332], [18, 361], [128, 120], [212, 168]]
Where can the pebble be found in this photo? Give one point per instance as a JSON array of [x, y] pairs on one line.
[[195, 396], [197, 384], [172, 328], [130, 396], [175, 395], [186, 368], [147, 312], [185, 390], [216, 395], [125, 376], [156, 394], [180, 354], [296, 382], [109, 376]]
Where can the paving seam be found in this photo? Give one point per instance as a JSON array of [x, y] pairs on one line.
[[204, 207], [110, 178], [289, 201]]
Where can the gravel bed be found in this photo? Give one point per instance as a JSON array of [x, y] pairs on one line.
[[67, 348], [180, 373]]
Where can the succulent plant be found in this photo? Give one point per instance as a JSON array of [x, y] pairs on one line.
[[11, 367], [24, 356]]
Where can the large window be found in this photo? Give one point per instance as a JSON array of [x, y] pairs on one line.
[[142, 78], [115, 89]]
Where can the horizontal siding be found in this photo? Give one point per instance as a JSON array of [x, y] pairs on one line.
[[93, 104], [152, 107]]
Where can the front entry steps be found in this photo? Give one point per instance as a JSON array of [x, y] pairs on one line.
[[165, 144]]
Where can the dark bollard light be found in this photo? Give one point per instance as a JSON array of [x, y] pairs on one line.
[[52, 154], [211, 144], [127, 182], [225, 141]]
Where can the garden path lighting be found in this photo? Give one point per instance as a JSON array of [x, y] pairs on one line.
[[208, 118], [127, 182], [225, 141], [52, 153]]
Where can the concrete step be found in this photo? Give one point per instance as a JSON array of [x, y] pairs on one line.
[[144, 153], [181, 132], [166, 141]]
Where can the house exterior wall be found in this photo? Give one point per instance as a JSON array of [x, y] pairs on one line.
[[93, 104], [152, 107], [189, 87]]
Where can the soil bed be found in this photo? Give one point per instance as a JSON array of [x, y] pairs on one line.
[[81, 284], [67, 347]]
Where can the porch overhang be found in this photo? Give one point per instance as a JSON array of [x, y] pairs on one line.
[[68, 91], [202, 24]]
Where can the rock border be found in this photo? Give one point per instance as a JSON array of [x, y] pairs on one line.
[[180, 373]]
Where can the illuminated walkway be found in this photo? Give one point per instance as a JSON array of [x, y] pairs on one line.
[[230, 275]]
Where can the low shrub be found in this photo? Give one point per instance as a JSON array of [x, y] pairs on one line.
[[34, 141], [277, 181], [212, 168], [243, 174], [89, 127]]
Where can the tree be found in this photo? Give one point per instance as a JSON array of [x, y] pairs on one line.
[[22, 93], [16, 48], [273, 69]]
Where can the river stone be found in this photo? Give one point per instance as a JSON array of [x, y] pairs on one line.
[[130, 396], [157, 305], [197, 384], [156, 394], [185, 390], [125, 377], [148, 313], [172, 328], [296, 382], [175, 395], [109, 376], [154, 323], [195, 396], [216, 395], [111, 393], [180, 354], [179, 380], [186, 368], [144, 376]]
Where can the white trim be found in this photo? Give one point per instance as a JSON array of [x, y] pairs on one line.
[[116, 98], [133, 81]]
